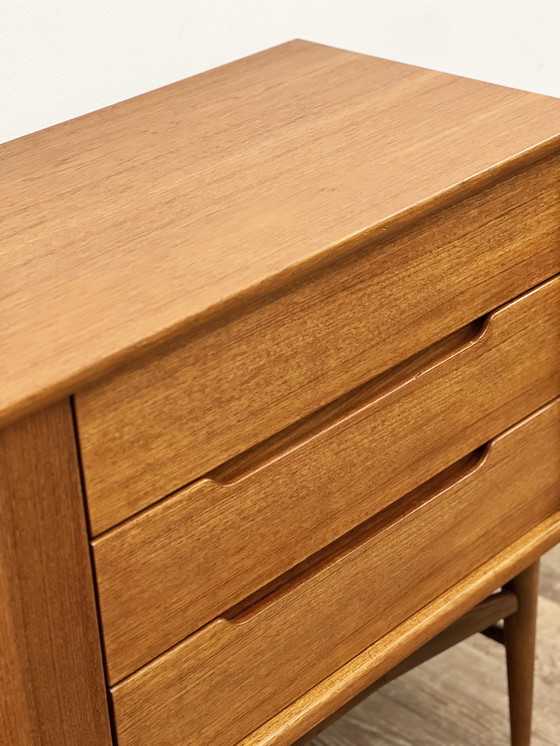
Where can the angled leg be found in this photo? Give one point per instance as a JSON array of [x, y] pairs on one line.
[[520, 634]]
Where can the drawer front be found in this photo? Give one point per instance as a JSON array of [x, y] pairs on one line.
[[218, 685], [165, 573], [148, 431]]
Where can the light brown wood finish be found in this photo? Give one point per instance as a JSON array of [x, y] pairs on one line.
[[183, 562], [153, 429], [122, 226], [496, 607], [52, 689], [303, 632], [299, 718], [520, 637], [460, 697]]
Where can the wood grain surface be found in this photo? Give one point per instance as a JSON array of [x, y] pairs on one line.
[[483, 616], [271, 653], [52, 687], [183, 562], [122, 226], [520, 630], [455, 700], [460, 698], [153, 429]]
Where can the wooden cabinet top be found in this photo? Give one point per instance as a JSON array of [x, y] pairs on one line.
[[180, 207]]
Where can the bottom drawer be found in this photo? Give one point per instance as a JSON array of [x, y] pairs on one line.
[[237, 672]]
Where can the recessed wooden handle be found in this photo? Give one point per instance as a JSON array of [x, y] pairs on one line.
[[463, 475], [450, 479], [338, 413], [464, 344]]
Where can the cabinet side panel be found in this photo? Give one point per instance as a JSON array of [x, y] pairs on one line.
[[51, 671]]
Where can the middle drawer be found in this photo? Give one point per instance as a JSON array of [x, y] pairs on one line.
[[170, 570]]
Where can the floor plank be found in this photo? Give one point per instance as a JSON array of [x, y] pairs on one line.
[[550, 576], [460, 697]]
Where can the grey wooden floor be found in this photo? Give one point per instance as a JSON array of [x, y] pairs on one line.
[[460, 697]]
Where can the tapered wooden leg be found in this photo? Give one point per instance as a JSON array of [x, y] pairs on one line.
[[520, 634]]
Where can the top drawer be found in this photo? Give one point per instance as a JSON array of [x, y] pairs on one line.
[[150, 429]]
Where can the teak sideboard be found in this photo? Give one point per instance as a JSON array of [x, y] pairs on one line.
[[280, 368]]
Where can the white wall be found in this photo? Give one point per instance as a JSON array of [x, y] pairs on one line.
[[63, 58]]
